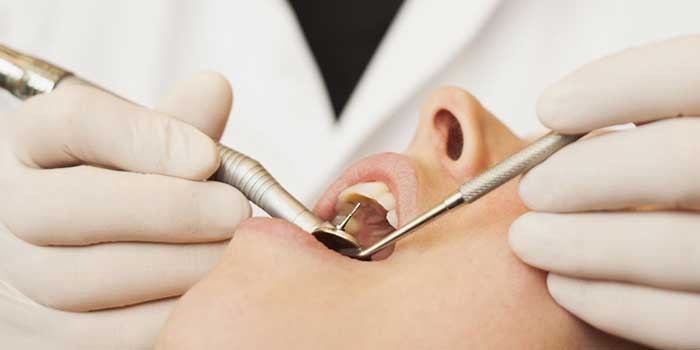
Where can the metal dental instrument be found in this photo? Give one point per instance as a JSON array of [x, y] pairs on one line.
[[477, 187], [25, 76]]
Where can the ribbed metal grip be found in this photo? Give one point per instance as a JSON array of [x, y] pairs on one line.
[[244, 173], [256, 183], [26, 76], [515, 165]]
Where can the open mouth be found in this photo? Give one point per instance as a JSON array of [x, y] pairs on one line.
[[385, 186]]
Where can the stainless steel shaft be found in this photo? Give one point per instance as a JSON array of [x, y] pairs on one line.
[[477, 187], [256, 183], [25, 76], [514, 165]]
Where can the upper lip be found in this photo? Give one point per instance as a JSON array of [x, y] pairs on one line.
[[395, 170]]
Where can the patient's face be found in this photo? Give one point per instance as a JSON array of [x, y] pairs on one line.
[[453, 284]]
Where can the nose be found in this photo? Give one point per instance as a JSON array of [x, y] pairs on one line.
[[451, 133]]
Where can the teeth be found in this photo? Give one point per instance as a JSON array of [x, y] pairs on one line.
[[387, 201], [377, 191], [392, 218]]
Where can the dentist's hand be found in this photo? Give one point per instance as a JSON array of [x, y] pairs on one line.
[[102, 204], [617, 216]]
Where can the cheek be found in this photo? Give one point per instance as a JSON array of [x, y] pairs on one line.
[[459, 229], [266, 284], [434, 182], [199, 320]]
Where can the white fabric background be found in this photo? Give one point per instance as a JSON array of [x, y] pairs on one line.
[[505, 52]]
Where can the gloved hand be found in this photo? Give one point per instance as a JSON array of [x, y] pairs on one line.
[[102, 202], [616, 218]]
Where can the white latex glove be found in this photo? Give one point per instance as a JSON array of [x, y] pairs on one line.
[[616, 216], [99, 197]]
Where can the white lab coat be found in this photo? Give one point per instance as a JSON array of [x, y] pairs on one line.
[[505, 52]]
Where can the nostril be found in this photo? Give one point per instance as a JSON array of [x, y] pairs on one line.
[[448, 126]]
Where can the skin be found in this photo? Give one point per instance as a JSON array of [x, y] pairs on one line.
[[453, 284]]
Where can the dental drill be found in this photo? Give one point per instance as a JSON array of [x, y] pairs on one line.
[[25, 76]]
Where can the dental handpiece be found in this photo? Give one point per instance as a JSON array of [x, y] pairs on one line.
[[25, 76]]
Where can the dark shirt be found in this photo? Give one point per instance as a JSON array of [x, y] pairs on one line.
[[343, 36]]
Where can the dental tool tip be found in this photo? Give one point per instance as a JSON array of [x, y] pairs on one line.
[[346, 220]]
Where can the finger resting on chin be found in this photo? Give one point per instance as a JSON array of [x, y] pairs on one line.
[[654, 317], [647, 248]]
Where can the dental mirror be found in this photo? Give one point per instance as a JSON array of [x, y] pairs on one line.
[[335, 238]]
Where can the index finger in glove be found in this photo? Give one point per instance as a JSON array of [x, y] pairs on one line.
[[85, 205], [203, 101], [638, 85], [82, 125], [654, 164]]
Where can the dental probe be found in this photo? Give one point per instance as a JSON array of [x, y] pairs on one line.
[[25, 76], [477, 187]]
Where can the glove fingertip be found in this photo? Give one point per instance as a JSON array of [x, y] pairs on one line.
[[524, 238], [203, 101], [564, 291], [560, 107], [551, 107], [228, 209], [200, 156], [533, 190]]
